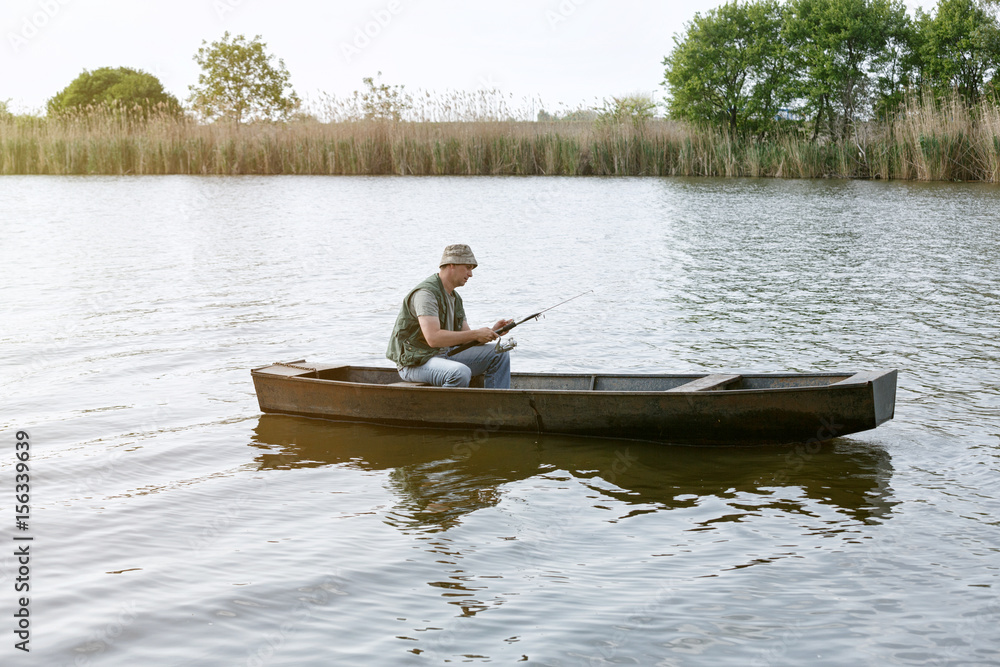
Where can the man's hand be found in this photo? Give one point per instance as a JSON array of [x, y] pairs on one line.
[[501, 324], [438, 337], [485, 335]]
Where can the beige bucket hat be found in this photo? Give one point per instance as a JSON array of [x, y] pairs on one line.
[[458, 254]]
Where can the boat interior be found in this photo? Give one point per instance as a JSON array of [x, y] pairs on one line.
[[577, 381]]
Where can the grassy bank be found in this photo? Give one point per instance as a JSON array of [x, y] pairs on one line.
[[925, 143]]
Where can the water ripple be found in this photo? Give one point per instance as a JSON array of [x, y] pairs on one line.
[[180, 526]]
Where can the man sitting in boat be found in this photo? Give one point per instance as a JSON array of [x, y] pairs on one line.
[[432, 321]]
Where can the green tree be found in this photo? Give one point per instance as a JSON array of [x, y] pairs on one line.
[[380, 101], [838, 46], [896, 68], [959, 47], [730, 67], [634, 109], [239, 83], [579, 115], [124, 88], [586, 115]]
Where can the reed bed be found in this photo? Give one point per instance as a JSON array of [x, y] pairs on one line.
[[928, 141]]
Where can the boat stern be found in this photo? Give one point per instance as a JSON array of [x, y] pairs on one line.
[[884, 393]]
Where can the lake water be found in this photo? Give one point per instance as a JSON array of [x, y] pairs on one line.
[[174, 524]]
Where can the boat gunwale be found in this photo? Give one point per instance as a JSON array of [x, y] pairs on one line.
[[841, 385]]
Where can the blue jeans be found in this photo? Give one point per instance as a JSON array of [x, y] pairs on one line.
[[457, 371]]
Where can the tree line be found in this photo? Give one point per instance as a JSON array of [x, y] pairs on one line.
[[758, 66], [752, 68], [240, 82]]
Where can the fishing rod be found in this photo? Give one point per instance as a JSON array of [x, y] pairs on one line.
[[504, 329]]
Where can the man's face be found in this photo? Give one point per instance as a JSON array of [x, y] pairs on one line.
[[459, 273]]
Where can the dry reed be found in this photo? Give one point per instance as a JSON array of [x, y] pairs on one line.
[[928, 141]]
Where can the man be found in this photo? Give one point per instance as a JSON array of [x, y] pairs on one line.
[[432, 320]]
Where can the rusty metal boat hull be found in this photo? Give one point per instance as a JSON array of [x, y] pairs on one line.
[[717, 409]]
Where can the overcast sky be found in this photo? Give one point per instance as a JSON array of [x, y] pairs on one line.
[[569, 52]]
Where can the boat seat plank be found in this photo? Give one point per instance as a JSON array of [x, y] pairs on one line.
[[708, 383], [291, 368], [408, 384]]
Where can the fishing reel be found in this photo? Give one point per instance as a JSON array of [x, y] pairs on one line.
[[502, 346]]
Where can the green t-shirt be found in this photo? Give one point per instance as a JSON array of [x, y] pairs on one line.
[[423, 303]]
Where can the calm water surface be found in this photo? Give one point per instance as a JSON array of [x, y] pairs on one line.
[[174, 524]]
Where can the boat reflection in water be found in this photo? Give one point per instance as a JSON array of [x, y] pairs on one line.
[[441, 476]]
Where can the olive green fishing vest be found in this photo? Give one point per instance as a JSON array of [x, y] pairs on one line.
[[407, 346]]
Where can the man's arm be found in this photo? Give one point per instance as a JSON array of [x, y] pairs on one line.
[[438, 337]]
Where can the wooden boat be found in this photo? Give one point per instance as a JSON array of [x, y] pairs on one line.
[[716, 409]]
